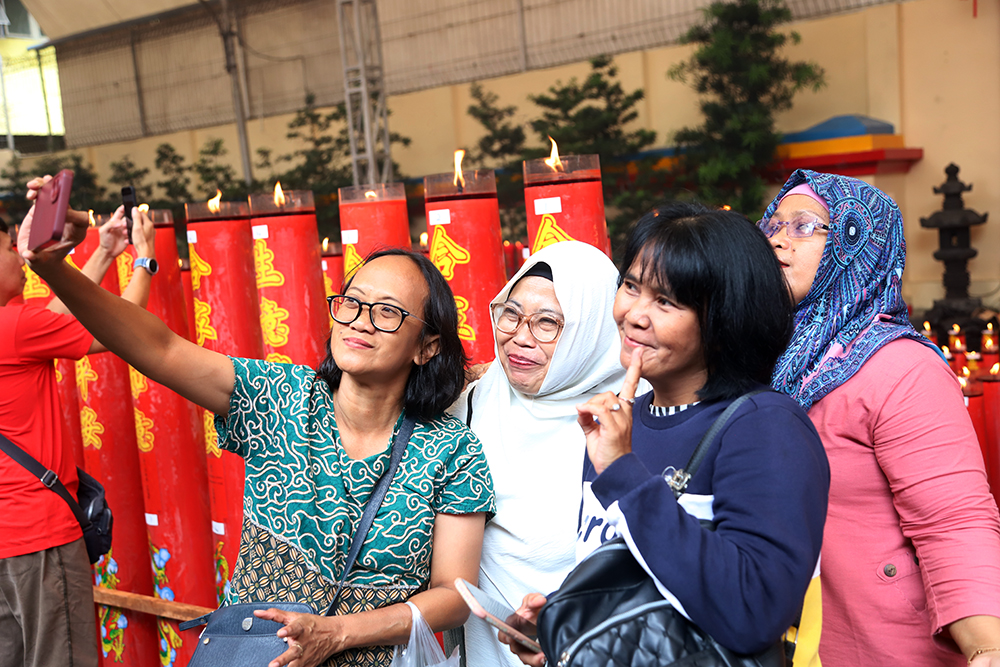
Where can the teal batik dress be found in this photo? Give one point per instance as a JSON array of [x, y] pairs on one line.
[[304, 496]]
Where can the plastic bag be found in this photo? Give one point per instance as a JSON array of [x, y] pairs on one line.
[[423, 649]]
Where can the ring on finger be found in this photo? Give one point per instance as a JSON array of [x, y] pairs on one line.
[[616, 407], [300, 647], [630, 401]]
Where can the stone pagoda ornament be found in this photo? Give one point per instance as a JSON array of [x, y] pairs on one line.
[[953, 222]]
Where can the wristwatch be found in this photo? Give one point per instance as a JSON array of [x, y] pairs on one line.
[[147, 263]]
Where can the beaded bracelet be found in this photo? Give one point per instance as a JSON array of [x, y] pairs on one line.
[[980, 651]]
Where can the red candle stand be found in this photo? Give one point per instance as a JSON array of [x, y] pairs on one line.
[[227, 320], [565, 201], [991, 417], [293, 312], [111, 455], [171, 443], [466, 246], [372, 217]]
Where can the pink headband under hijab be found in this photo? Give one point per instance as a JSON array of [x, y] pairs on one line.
[[805, 189]]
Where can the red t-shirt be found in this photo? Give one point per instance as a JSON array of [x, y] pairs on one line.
[[32, 517]]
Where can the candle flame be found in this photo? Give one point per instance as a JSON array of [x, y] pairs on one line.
[[279, 196], [988, 344], [370, 194], [90, 214], [553, 159], [995, 370], [180, 263], [966, 372], [459, 178], [326, 244], [944, 348], [927, 326], [964, 382], [423, 239], [727, 207], [144, 208], [213, 203], [955, 329], [989, 327]]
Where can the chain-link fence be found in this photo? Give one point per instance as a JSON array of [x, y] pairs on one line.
[[31, 118], [169, 74]]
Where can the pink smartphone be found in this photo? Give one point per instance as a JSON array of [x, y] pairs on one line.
[[51, 205], [493, 612]]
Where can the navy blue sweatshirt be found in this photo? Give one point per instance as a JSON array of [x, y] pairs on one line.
[[764, 483]]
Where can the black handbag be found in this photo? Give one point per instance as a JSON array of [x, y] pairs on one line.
[[608, 611], [91, 510], [234, 637]]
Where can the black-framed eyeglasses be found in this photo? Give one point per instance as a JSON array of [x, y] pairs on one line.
[[384, 316], [800, 227], [545, 327]]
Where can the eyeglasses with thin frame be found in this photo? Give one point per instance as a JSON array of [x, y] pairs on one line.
[[385, 317], [800, 227], [545, 327]]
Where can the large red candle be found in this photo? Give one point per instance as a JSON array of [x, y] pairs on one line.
[[112, 456], [293, 312], [332, 263], [372, 217], [227, 320], [565, 201], [467, 247], [171, 443], [991, 417]]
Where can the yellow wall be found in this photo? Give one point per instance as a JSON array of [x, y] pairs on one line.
[[926, 66], [24, 89]]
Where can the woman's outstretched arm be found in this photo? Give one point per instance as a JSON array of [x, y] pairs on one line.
[[132, 333]]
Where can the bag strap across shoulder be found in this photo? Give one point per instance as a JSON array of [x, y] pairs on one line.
[[45, 476], [373, 505], [679, 480]]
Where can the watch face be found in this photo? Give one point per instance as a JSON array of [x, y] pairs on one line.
[[154, 266]]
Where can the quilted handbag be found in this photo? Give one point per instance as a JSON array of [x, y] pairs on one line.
[[234, 637], [608, 611]]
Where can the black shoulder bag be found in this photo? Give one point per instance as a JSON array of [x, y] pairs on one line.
[[234, 636], [91, 510], [609, 613]]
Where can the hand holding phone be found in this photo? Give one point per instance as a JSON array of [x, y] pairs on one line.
[[51, 205], [129, 201], [494, 612]]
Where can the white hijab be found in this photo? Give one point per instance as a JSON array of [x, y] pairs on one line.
[[535, 446]]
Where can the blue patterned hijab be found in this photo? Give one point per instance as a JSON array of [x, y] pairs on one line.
[[854, 306]]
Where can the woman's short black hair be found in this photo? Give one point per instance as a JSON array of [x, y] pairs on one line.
[[721, 266], [434, 386]]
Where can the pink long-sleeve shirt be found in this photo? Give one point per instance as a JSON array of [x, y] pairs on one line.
[[912, 538]]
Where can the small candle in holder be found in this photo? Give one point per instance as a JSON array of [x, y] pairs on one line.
[[956, 339], [372, 217], [989, 348], [565, 200], [930, 333]]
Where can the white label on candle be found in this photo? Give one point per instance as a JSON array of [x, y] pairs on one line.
[[526, 252], [259, 231], [348, 236], [548, 205], [192, 236], [324, 264], [442, 216], [152, 520], [218, 528]]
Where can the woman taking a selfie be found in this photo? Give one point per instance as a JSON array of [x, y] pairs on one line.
[[699, 320], [316, 442]]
